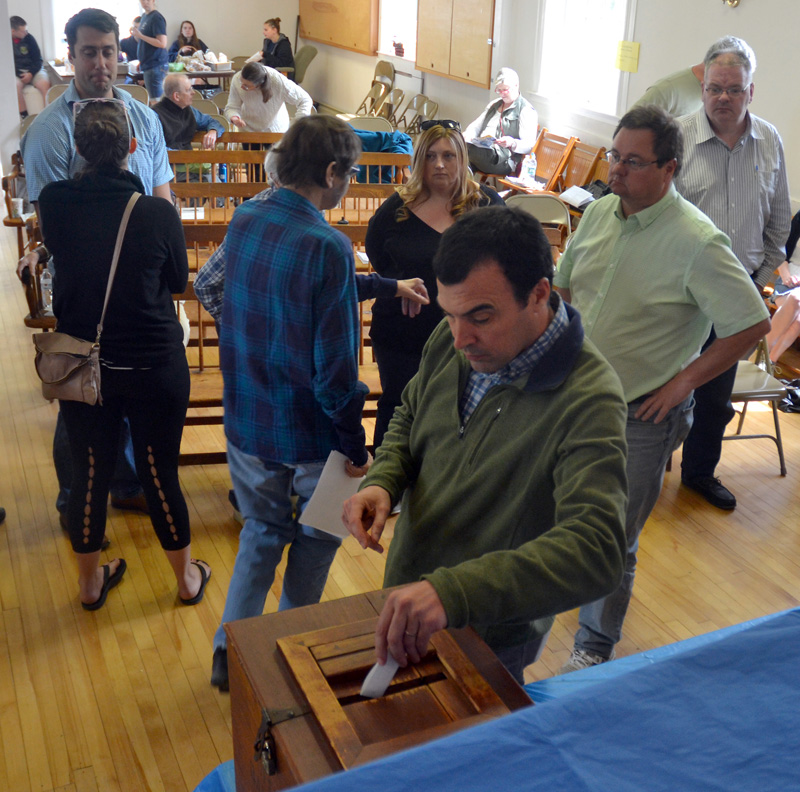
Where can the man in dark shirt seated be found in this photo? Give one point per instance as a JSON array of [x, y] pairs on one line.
[[27, 63], [180, 120]]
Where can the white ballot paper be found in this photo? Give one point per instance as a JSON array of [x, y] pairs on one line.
[[379, 678], [324, 510]]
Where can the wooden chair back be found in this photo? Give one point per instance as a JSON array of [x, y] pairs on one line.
[[552, 153], [238, 62], [581, 164]]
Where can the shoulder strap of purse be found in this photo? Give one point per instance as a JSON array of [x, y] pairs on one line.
[[120, 235]]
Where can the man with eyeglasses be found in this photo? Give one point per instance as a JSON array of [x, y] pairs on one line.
[[499, 138], [48, 150], [735, 172], [650, 273]]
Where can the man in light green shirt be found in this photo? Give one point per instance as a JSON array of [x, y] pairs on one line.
[[679, 94], [650, 273]]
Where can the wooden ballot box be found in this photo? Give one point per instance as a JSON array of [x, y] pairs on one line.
[[295, 678]]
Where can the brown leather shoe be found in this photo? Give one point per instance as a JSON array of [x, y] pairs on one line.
[[136, 503]]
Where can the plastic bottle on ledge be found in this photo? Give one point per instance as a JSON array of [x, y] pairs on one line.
[[46, 290]]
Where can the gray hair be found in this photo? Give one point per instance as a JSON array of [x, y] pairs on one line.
[[734, 51], [506, 76], [271, 168]]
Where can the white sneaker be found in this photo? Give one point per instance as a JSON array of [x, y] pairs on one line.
[[580, 658]]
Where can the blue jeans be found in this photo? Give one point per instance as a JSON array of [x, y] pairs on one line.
[[154, 80], [124, 483], [650, 446], [264, 491]]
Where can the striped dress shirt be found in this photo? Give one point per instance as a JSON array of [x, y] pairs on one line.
[[744, 190]]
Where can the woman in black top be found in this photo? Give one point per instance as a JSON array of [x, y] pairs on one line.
[[145, 375], [276, 50], [187, 42], [401, 241]]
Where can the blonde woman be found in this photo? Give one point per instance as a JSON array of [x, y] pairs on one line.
[[401, 241]]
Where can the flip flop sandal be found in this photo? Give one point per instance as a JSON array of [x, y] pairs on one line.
[[204, 578], [109, 581]]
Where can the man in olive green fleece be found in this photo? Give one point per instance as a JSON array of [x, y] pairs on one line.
[[508, 451]]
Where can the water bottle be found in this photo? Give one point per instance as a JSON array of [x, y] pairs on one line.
[[46, 289], [223, 172], [530, 168]]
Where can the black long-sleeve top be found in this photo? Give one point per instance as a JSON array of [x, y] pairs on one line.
[[28, 56], [281, 54], [80, 219]]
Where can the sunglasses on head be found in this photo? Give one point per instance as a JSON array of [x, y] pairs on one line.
[[81, 104], [446, 124]]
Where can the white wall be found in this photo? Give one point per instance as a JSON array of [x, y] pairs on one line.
[[234, 27], [672, 36]]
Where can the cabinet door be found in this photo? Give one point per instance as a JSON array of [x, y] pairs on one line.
[[471, 50], [434, 19]]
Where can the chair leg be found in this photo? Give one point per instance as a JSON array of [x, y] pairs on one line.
[[741, 418], [778, 438]]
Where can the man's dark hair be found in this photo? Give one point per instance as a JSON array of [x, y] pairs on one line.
[[17, 22], [310, 145], [511, 237], [93, 18], [667, 132]]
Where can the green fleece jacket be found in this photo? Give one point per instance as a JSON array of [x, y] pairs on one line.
[[518, 515]]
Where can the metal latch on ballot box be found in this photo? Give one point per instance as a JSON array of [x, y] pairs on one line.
[[265, 743]]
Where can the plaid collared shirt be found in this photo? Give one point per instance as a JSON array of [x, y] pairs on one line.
[[478, 385]]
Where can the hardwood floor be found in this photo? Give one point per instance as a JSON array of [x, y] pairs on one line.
[[119, 699]]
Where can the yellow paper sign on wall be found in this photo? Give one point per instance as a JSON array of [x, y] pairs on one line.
[[628, 56]]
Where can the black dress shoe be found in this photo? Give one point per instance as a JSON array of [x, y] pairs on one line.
[[219, 670], [713, 491]]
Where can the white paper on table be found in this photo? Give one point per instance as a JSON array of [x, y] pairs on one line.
[[576, 196], [193, 213], [324, 510]]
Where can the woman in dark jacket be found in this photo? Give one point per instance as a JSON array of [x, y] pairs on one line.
[[277, 50], [144, 373], [187, 42]]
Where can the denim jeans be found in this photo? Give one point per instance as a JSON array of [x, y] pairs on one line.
[[649, 448], [124, 483], [154, 80], [517, 658], [264, 491]]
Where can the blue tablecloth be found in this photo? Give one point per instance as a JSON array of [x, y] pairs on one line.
[[723, 716]]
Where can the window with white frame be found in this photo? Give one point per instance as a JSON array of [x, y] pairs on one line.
[[579, 50], [399, 26], [123, 10]]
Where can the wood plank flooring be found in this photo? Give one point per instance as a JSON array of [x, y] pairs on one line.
[[120, 700]]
